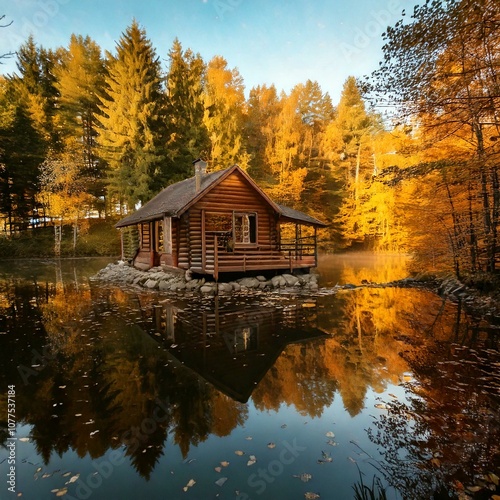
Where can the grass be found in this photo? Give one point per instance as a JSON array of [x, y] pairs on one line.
[[96, 237]]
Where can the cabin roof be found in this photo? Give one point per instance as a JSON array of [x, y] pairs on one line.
[[177, 198]]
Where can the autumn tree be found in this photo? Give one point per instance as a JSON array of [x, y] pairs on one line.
[[224, 111], [187, 135], [80, 81], [132, 126], [348, 142], [263, 107], [441, 66]]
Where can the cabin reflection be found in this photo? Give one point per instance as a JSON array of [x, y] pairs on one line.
[[230, 346]]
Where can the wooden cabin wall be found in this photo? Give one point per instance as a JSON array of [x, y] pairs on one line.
[[234, 194], [183, 245]]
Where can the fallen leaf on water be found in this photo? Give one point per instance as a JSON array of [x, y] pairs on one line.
[[62, 492], [311, 496], [190, 483], [331, 442], [351, 460], [304, 477], [239, 452], [39, 469], [393, 396], [46, 475], [221, 481], [249, 438], [330, 434], [73, 478], [24, 440], [251, 462], [66, 474], [218, 469], [493, 478], [271, 445], [474, 489], [381, 406], [224, 463]]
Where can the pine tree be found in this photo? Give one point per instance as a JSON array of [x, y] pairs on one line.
[[132, 128], [22, 150], [186, 131]]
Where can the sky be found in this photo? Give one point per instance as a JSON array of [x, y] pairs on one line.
[[280, 42]]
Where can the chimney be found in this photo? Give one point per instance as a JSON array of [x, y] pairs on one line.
[[200, 168]]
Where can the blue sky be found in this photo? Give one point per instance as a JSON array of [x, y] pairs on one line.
[[269, 41]]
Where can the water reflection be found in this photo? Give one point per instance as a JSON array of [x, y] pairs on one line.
[[156, 377]]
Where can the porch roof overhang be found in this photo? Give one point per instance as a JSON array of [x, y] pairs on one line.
[[288, 214]]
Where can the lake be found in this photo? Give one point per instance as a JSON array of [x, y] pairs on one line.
[[121, 393]]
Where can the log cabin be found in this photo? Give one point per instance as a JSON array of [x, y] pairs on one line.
[[221, 222]]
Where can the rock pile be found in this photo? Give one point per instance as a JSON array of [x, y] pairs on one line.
[[176, 280]]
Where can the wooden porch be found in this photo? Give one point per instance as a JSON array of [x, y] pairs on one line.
[[288, 255]]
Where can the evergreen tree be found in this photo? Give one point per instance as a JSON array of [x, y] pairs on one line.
[[186, 131], [132, 126], [36, 87], [22, 150]]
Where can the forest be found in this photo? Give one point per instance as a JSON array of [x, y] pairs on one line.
[[406, 161]]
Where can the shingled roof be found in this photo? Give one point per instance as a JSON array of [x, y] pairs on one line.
[[176, 198]]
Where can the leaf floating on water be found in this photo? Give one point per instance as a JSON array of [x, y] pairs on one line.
[[94, 432], [66, 474], [393, 396], [249, 438], [381, 406], [224, 463], [304, 477], [252, 460], [351, 460], [73, 478], [24, 440], [330, 434], [46, 475], [239, 453], [331, 442], [221, 481], [271, 445], [190, 484], [218, 469], [62, 492], [311, 496], [39, 469]]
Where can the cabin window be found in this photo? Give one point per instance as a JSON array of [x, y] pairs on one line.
[[245, 228], [167, 234]]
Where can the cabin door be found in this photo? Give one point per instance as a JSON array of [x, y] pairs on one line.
[[157, 242]]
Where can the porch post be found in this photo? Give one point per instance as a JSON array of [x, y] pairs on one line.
[[122, 245], [315, 246]]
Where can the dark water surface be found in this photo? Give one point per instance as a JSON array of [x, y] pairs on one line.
[[108, 393]]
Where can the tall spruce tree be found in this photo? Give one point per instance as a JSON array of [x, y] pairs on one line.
[[187, 135], [132, 126], [22, 150]]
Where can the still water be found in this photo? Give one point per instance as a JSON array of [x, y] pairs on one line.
[[112, 393]]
